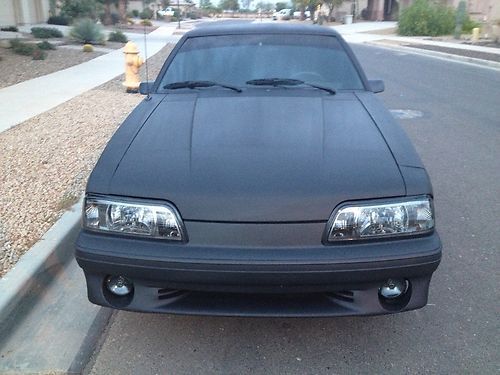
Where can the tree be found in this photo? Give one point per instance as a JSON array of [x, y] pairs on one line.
[[280, 5], [302, 5], [206, 4], [122, 10], [265, 7], [80, 9], [107, 11], [229, 5], [246, 3], [332, 4]]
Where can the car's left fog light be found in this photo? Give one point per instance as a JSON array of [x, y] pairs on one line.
[[119, 285]]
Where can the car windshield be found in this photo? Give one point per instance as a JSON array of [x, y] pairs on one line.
[[237, 59]]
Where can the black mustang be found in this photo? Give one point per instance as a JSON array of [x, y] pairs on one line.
[[259, 177]]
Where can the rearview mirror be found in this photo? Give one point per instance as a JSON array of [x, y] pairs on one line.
[[145, 88], [376, 85]]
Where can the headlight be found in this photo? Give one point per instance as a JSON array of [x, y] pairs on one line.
[[391, 218], [132, 217]]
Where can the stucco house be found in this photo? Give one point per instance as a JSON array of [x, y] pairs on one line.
[[386, 10], [20, 12]]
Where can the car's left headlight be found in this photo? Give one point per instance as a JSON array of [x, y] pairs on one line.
[[132, 217], [385, 219]]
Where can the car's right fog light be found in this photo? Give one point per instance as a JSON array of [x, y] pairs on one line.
[[393, 288], [119, 285]]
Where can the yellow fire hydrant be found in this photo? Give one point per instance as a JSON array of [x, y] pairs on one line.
[[132, 64]]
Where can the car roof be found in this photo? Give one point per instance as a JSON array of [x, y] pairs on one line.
[[260, 28]]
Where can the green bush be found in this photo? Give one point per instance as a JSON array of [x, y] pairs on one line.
[[38, 54], [75, 9], [117, 36], [193, 15], [87, 31], [46, 32], [58, 20], [146, 14], [468, 25], [29, 49], [45, 45], [22, 48], [133, 14], [425, 18], [146, 23], [15, 42], [9, 28]]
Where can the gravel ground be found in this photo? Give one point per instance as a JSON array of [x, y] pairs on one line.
[[45, 161], [16, 68]]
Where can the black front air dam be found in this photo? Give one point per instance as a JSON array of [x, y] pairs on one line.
[[332, 282]]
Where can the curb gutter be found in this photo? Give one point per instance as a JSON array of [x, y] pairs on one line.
[[47, 325], [40, 264], [436, 54]]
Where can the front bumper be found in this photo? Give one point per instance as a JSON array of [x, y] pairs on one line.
[[259, 281]]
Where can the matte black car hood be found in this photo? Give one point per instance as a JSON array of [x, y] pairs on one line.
[[256, 158]]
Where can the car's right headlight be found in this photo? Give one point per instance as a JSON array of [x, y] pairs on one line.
[[390, 218], [132, 217]]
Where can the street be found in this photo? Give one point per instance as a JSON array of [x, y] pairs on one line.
[[458, 138]]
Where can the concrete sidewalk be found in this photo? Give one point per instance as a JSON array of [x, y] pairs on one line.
[[383, 34], [24, 100]]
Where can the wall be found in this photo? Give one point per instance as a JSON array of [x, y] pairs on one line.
[[16, 12]]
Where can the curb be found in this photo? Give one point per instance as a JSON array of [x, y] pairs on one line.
[[40, 264], [47, 325], [441, 55]]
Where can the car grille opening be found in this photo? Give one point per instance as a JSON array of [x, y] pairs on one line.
[[345, 296], [166, 293]]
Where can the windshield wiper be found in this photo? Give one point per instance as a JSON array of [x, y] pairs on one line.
[[287, 82], [198, 84]]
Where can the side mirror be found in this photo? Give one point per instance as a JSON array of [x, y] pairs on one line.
[[376, 85], [145, 88]]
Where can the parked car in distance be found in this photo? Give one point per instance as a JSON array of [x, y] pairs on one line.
[[297, 14], [168, 12], [260, 176], [282, 14]]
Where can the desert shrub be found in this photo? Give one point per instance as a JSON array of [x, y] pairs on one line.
[[87, 31], [425, 18], [59, 20], [9, 28], [469, 24], [146, 14], [193, 15], [117, 36], [39, 54], [45, 45], [22, 48], [46, 32], [146, 23], [88, 48], [29, 49], [14, 43]]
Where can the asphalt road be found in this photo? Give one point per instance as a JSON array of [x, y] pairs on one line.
[[458, 137]]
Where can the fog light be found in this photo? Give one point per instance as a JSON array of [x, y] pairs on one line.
[[119, 285], [393, 288]]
